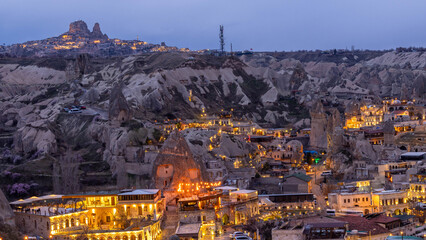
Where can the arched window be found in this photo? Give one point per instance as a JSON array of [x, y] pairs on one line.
[[72, 222]]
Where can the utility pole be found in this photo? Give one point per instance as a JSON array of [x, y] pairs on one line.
[[222, 40], [231, 50]]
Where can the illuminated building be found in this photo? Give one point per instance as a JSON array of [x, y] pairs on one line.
[[100, 215], [201, 216], [417, 189], [392, 202], [356, 201], [367, 116], [284, 205]]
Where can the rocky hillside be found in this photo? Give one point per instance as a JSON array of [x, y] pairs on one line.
[[46, 149]]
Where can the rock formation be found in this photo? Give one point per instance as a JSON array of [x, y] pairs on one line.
[[6, 213], [97, 33], [318, 136], [389, 134], [335, 132], [175, 164], [119, 110], [79, 28]]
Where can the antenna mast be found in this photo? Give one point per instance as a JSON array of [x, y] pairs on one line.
[[222, 40]]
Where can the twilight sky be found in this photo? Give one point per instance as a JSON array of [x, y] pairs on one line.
[[262, 25]]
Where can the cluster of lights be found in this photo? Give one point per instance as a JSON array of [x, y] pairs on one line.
[[195, 187]]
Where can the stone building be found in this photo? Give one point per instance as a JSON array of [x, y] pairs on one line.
[[388, 134], [297, 183], [96, 215]]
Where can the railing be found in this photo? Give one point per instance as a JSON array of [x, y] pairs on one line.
[[47, 212], [65, 230]]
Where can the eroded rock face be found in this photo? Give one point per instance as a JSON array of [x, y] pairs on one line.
[[97, 33], [119, 110], [6, 213], [334, 132], [318, 136], [79, 28], [389, 134], [175, 164]]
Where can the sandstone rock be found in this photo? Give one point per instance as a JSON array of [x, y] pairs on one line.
[[119, 110], [335, 132], [97, 33], [79, 28], [6, 213], [389, 133], [9, 123], [175, 164], [420, 86], [318, 136]]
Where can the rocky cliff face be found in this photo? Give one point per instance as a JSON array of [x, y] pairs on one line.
[[43, 142], [79, 28]]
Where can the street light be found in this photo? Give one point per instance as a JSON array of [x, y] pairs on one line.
[[402, 235]]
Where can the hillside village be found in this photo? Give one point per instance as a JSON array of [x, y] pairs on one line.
[[192, 145]]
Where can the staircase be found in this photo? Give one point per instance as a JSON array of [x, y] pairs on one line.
[[170, 223]]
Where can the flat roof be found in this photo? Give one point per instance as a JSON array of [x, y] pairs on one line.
[[285, 194], [244, 191], [413, 154], [189, 199], [192, 228], [140, 192], [388, 192], [36, 199], [226, 188], [92, 194]]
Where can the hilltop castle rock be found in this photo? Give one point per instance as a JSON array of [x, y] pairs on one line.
[[79, 28], [97, 33], [80, 40]]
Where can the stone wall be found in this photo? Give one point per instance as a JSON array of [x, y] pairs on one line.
[[278, 234], [295, 185], [33, 224]]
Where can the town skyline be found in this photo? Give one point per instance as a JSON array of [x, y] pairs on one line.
[[281, 26]]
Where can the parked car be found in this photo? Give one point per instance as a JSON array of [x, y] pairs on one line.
[[74, 110], [327, 173], [330, 212], [243, 238], [66, 109], [236, 234]]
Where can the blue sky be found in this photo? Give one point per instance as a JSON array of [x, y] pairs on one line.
[[262, 25]]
